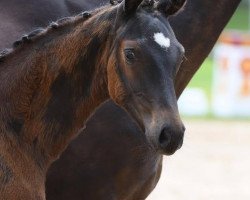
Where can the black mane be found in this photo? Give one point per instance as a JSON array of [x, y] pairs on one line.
[[37, 33]]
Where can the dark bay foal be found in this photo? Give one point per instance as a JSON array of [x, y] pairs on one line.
[[99, 176], [55, 77]]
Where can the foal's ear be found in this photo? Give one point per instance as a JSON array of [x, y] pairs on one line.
[[130, 6], [170, 7]]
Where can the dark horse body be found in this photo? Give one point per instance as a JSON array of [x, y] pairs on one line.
[[103, 174], [54, 78]]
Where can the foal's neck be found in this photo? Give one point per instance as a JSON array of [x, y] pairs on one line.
[[52, 85]]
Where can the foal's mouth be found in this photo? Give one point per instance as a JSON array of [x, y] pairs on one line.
[[161, 137]]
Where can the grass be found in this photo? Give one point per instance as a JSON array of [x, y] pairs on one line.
[[203, 78], [240, 19]]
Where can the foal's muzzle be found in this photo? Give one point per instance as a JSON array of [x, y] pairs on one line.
[[166, 139], [170, 139], [164, 129]]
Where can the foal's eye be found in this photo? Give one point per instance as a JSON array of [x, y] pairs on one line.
[[129, 55]]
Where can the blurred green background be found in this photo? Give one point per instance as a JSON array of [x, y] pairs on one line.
[[203, 78]]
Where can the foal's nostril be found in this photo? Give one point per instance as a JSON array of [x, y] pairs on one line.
[[165, 138], [171, 139]]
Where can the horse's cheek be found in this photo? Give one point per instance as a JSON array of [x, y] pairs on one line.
[[115, 88]]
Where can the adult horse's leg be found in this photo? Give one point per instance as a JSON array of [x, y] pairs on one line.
[[198, 28]]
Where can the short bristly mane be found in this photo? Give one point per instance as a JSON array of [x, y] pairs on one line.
[[53, 27], [59, 24]]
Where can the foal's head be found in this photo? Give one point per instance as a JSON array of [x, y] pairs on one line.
[[143, 63]]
